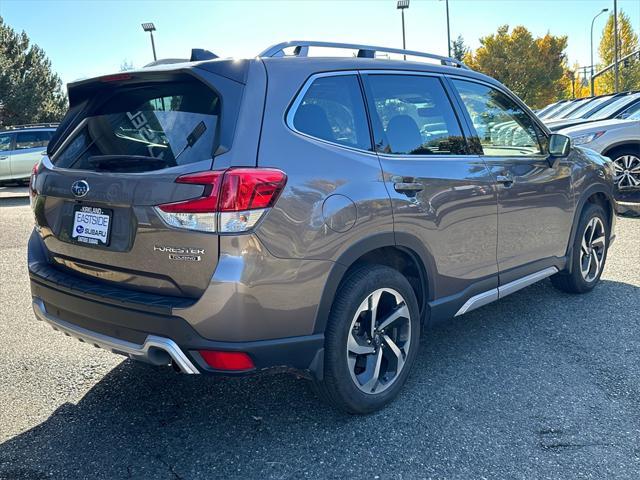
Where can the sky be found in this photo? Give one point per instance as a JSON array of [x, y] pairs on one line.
[[84, 38]]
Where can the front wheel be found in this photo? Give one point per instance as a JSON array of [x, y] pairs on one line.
[[371, 340], [589, 252]]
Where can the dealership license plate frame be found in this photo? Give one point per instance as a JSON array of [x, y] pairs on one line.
[[92, 210]]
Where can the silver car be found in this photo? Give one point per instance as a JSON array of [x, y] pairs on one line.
[[620, 141], [22, 147]]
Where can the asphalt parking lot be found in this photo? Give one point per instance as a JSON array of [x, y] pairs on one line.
[[540, 385]]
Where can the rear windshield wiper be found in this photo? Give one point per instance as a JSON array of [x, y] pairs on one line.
[[126, 162]]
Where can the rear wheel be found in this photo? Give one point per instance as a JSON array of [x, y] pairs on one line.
[[589, 252], [371, 340]]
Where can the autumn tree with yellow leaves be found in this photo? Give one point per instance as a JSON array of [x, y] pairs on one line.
[[533, 68], [629, 78]]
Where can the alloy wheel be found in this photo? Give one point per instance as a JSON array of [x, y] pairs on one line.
[[379, 340], [627, 171], [592, 250]]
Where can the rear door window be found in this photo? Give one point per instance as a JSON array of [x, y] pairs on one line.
[[413, 116], [332, 109], [146, 127], [26, 140]]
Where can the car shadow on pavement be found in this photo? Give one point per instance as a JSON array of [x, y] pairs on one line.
[[487, 384]]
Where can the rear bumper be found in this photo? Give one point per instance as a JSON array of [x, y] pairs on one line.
[[156, 350], [623, 208], [164, 340], [161, 329]]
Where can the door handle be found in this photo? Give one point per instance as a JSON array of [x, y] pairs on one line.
[[506, 180], [408, 187], [4, 157]]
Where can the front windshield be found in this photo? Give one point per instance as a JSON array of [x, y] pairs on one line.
[[574, 107], [594, 105], [563, 108], [613, 107]]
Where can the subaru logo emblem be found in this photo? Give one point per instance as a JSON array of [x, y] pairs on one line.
[[80, 188]]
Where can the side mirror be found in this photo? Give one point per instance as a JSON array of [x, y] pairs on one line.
[[559, 145]]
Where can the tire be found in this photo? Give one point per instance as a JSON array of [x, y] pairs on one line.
[[595, 226], [626, 161], [350, 363]]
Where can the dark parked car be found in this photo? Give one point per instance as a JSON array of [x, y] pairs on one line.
[[313, 214]]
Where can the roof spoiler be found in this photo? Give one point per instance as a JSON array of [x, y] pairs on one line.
[[199, 54]]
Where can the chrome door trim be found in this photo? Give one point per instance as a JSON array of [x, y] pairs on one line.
[[523, 282], [478, 301], [502, 291]]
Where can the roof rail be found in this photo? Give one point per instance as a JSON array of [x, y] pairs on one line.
[[301, 49], [30, 125]]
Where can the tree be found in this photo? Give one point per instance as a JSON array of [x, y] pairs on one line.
[[126, 65], [30, 91], [534, 68], [629, 78], [459, 49]]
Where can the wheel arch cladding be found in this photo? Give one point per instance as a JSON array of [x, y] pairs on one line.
[[622, 146], [598, 195], [381, 249]]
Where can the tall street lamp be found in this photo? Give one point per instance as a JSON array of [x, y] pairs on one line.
[[402, 6], [150, 27], [448, 29], [592, 22], [617, 44]]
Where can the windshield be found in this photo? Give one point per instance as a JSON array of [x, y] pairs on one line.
[[152, 120], [613, 107], [594, 105], [563, 108], [574, 106], [556, 108]]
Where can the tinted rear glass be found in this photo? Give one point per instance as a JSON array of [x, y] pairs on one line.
[[170, 124]]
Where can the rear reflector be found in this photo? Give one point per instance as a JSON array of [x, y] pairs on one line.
[[233, 200], [227, 360]]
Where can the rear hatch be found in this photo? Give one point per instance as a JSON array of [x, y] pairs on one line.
[[115, 159]]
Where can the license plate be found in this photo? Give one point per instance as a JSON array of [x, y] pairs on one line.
[[91, 225]]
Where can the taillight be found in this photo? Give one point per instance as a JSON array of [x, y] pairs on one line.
[[233, 200]]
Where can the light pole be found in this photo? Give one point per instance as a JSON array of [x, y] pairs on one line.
[[592, 22], [402, 6], [448, 29], [150, 27], [615, 39]]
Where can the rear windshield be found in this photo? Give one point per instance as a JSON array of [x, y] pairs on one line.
[[146, 127]]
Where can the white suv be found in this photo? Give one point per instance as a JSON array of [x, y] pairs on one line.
[[21, 147]]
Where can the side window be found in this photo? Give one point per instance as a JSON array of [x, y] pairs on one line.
[[630, 110], [414, 116], [26, 140], [5, 142], [504, 129], [332, 109]]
